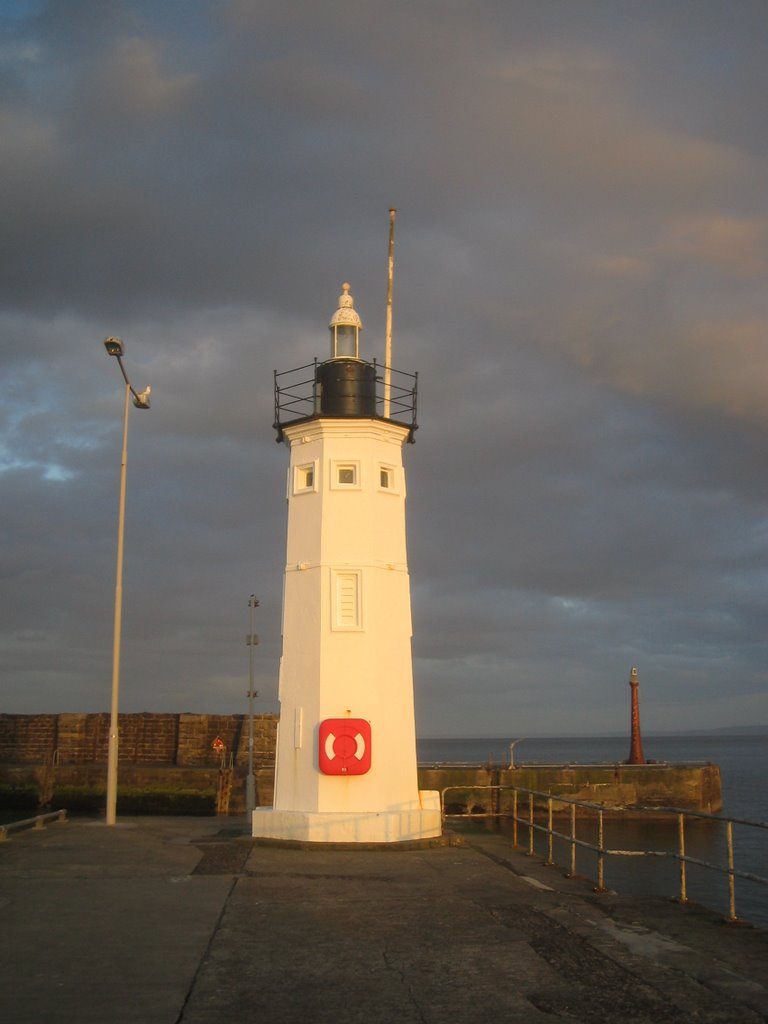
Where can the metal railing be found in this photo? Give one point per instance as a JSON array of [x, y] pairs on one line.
[[296, 394], [538, 799], [297, 397], [38, 822]]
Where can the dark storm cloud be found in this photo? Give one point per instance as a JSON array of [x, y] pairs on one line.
[[581, 264]]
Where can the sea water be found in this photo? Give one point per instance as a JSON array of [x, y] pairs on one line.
[[743, 762]]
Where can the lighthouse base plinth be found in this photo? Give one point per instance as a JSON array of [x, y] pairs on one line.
[[419, 821]]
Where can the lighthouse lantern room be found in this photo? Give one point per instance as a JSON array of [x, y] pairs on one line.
[[345, 328], [346, 750]]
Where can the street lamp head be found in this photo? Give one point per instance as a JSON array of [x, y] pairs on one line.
[[114, 346], [141, 399]]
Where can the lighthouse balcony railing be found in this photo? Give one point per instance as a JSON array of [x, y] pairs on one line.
[[298, 398]]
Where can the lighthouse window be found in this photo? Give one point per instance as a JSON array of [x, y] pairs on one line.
[[304, 479], [385, 477], [347, 475]]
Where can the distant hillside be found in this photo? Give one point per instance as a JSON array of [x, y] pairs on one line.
[[739, 730]]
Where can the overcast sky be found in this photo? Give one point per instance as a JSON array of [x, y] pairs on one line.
[[581, 281]]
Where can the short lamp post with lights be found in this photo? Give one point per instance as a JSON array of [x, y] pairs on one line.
[[250, 782], [114, 347]]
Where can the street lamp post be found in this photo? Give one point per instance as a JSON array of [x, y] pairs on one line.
[[512, 746], [114, 347], [250, 782]]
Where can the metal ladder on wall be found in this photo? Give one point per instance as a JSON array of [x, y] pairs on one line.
[[224, 791]]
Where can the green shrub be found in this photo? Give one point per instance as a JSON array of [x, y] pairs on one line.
[[79, 799], [20, 795], [136, 800]]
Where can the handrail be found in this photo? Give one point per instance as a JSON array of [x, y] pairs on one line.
[[600, 849], [491, 765], [38, 822], [296, 395]]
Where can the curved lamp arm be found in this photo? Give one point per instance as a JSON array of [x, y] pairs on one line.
[[114, 347]]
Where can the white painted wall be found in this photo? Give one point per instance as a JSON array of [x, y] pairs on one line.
[[328, 670]]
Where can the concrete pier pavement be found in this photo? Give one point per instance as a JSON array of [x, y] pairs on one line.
[[165, 920]]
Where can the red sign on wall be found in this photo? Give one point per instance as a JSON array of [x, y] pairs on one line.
[[345, 746]]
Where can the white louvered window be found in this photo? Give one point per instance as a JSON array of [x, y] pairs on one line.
[[347, 600]]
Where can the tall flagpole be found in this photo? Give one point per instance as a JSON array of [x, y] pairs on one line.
[[388, 334]]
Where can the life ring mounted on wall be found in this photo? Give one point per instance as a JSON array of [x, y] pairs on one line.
[[344, 746]]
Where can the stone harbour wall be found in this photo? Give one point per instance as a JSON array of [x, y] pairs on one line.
[[175, 752], [690, 787], [184, 740]]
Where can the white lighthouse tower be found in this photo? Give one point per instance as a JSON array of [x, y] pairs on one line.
[[346, 750]]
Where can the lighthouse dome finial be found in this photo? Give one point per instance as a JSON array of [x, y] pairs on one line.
[[346, 314]]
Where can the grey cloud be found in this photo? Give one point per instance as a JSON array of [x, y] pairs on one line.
[[580, 281]]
